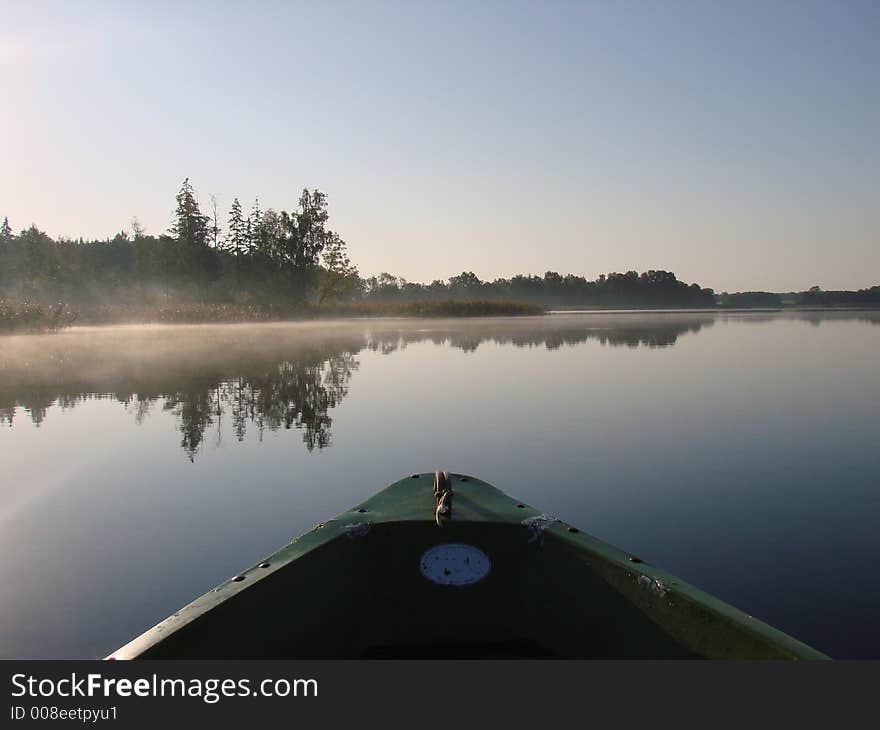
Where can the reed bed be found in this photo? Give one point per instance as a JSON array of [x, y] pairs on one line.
[[40, 317]]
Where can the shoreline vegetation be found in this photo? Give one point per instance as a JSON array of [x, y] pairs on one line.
[[272, 266], [25, 317], [36, 317]]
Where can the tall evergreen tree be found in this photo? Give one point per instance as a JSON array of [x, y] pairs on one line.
[[255, 223], [237, 233], [249, 235], [190, 227], [6, 273]]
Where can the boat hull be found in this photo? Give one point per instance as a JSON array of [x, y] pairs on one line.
[[496, 578]]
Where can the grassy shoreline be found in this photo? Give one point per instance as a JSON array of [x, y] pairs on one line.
[[22, 317], [36, 317]]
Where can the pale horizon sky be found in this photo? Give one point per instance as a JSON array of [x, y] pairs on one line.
[[736, 144]]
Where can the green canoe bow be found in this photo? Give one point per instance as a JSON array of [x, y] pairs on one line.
[[496, 579]]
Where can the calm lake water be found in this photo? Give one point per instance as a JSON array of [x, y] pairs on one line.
[[141, 466]]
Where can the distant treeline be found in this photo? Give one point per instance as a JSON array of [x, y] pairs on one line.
[[750, 299], [286, 259], [814, 296], [818, 298], [269, 258], [649, 289], [276, 264]]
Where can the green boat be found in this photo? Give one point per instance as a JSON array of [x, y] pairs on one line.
[[447, 566]]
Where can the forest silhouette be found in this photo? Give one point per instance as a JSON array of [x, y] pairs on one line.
[[272, 265], [286, 259]]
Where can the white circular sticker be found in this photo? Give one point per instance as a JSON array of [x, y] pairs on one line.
[[455, 564]]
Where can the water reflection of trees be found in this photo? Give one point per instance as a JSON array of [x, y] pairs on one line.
[[241, 378], [561, 330], [233, 380], [813, 317], [292, 395], [261, 378]]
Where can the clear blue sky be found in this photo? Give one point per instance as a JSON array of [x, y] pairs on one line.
[[735, 143]]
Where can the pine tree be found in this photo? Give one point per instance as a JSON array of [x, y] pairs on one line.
[[5, 268], [236, 237], [256, 215], [190, 227], [255, 222]]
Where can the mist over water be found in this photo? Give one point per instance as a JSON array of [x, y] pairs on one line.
[[143, 465]]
